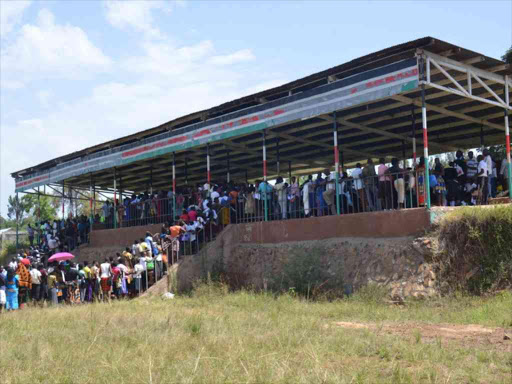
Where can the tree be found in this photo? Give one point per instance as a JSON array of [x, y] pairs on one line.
[[41, 208], [507, 57], [17, 209]]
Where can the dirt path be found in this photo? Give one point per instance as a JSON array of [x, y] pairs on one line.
[[470, 335]]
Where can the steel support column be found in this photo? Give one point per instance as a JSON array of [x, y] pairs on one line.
[[186, 169], [413, 117], [208, 174], [228, 176], [174, 186], [336, 163], [91, 213], [507, 139], [278, 164], [38, 216], [265, 203], [63, 197], [426, 180], [115, 198], [17, 220]]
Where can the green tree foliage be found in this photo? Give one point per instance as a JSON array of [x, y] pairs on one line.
[[507, 57], [28, 209], [17, 209]]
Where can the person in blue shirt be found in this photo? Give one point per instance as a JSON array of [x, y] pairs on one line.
[[265, 190]]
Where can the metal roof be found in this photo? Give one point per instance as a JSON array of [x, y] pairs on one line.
[[374, 128]]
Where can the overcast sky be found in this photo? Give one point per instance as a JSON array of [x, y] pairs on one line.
[[78, 73]]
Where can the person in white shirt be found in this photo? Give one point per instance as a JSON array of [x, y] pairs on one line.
[[138, 271], [483, 184], [305, 196], [215, 194], [488, 162], [281, 188], [106, 283], [357, 175], [36, 284], [124, 276]]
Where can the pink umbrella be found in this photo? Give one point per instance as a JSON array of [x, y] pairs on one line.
[[61, 257], [25, 261]]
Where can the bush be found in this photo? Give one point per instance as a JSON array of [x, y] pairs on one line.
[[306, 273], [476, 245], [9, 248]]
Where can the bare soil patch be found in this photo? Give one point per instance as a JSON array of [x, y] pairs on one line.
[[470, 335]]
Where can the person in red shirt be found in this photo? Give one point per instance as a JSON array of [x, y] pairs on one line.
[[192, 215], [184, 216]]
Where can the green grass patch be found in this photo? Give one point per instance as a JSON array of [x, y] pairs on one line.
[[217, 337]]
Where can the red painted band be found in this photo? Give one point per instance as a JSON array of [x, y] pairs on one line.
[[425, 139], [508, 144], [336, 155], [264, 167]]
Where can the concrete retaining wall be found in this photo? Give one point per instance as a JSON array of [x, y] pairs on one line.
[[410, 222], [121, 237]]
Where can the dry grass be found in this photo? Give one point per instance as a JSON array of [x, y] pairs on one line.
[[214, 336]]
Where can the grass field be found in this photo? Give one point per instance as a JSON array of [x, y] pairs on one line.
[[214, 336]]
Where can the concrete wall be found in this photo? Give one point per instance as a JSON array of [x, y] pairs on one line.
[[387, 224], [121, 237], [402, 223]]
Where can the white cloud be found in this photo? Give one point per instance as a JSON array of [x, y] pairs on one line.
[[164, 82], [237, 57], [50, 50], [10, 15], [138, 15]]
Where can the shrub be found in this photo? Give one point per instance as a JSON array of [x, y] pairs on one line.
[[9, 248], [308, 274], [476, 246]]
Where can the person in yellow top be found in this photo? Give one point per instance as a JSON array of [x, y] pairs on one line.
[[143, 248], [52, 287], [128, 257], [88, 281]]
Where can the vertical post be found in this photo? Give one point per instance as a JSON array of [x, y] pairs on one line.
[[186, 169], [17, 220], [278, 159], [228, 174], [173, 187], [91, 215], [265, 176], [63, 195], [115, 198], [425, 133], [413, 136], [507, 138], [151, 179], [38, 217], [93, 200], [403, 153], [208, 175], [336, 163]]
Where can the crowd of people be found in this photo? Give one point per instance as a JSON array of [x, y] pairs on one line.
[[30, 278], [53, 235], [368, 187]]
